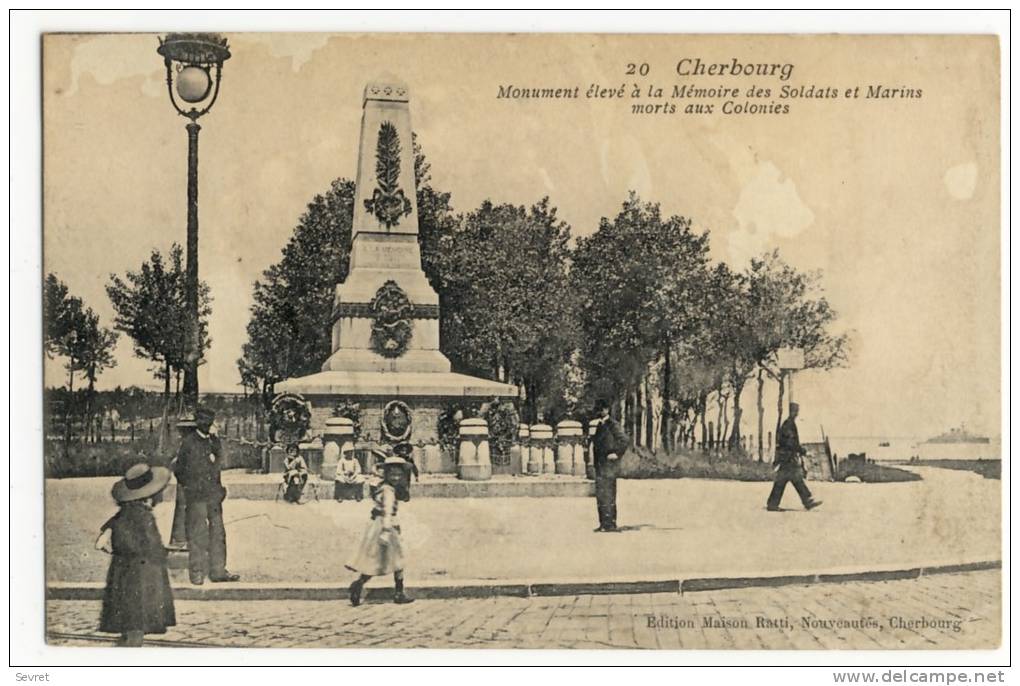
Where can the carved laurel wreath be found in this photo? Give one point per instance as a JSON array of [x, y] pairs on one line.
[[391, 320], [388, 203], [396, 421], [291, 416]]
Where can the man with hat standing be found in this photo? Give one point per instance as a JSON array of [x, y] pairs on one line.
[[788, 466], [199, 463], [609, 444]]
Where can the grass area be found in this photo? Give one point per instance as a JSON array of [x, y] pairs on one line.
[[113, 459], [872, 473], [990, 469], [641, 463]]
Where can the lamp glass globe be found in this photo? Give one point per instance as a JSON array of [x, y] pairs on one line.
[[193, 84]]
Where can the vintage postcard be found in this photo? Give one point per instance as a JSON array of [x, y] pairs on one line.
[[541, 341]]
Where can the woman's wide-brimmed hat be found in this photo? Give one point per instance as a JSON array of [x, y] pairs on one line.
[[140, 482]]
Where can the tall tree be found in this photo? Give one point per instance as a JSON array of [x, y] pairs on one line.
[[96, 345], [732, 331], [289, 330], [509, 303], [789, 310], [638, 280], [72, 331], [151, 308]]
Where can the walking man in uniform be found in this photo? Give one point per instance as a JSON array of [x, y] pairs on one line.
[[198, 468], [788, 465], [609, 444]]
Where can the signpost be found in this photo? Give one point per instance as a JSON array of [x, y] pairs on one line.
[[790, 360]]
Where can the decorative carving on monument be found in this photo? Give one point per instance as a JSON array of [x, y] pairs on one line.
[[289, 418], [391, 326], [396, 421], [387, 91], [388, 203], [366, 311]]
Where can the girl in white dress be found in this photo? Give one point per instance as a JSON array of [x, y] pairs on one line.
[[381, 550]]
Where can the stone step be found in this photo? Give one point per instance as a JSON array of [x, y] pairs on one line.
[[267, 487]]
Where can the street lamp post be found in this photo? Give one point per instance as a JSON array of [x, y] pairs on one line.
[[194, 63]]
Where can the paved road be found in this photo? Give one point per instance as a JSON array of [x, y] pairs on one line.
[[950, 611]]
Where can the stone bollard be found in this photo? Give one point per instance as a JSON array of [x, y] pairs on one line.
[[520, 450], [336, 438], [473, 459], [542, 459], [568, 441]]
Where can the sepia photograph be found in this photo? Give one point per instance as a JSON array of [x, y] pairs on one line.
[[545, 341]]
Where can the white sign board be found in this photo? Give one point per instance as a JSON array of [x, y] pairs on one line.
[[790, 358]]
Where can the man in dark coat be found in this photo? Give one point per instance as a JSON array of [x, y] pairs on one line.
[[198, 467], [609, 444], [788, 466]]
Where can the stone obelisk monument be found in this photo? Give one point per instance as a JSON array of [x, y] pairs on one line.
[[385, 324]]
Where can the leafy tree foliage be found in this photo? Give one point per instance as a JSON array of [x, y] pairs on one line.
[[72, 331], [151, 308], [509, 314], [289, 330], [639, 280]]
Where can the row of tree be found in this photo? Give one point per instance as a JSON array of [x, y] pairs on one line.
[[150, 308], [635, 313], [71, 330]]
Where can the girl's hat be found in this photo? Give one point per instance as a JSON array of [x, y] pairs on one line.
[[394, 461], [140, 482]]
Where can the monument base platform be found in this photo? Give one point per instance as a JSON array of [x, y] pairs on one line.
[[267, 487], [396, 384], [427, 396]]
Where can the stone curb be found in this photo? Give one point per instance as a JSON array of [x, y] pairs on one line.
[[483, 589]]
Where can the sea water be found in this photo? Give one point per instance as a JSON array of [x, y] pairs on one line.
[[902, 448]]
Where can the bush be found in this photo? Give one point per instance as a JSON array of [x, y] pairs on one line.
[[641, 463], [990, 469], [869, 472], [449, 423], [503, 421], [113, 459]]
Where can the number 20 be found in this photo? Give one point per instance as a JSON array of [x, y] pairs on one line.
[[639, 69]]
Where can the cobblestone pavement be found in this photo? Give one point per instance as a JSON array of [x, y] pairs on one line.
[[949, 611]]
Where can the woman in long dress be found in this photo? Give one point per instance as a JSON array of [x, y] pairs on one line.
[[381, 549], [137, 599]]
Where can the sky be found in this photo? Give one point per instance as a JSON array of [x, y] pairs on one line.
[[895, 201]]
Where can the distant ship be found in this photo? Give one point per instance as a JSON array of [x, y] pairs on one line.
[[960, 435]]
